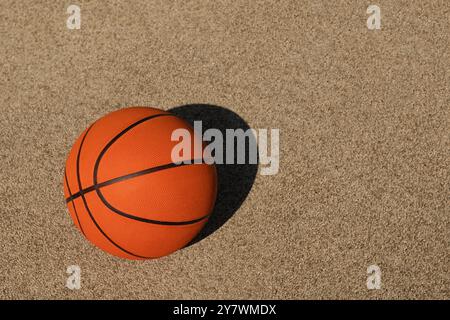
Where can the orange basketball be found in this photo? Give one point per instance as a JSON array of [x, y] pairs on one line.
[[124, 192]]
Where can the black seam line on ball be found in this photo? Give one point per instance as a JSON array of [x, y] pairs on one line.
[[119, 212], [87, 207], [127, 177], [73, 203]]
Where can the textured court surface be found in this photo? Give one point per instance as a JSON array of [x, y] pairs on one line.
[[364, 120]]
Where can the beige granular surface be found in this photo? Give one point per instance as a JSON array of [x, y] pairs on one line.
[[364, 143]]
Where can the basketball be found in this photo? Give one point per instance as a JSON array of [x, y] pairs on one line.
[[124, 192]]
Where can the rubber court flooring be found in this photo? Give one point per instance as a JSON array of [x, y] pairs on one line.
[[364, 143]]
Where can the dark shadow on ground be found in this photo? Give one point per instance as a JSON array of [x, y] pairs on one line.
[[234, 180]]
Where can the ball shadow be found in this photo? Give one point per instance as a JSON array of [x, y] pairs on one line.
[[234, 180]]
